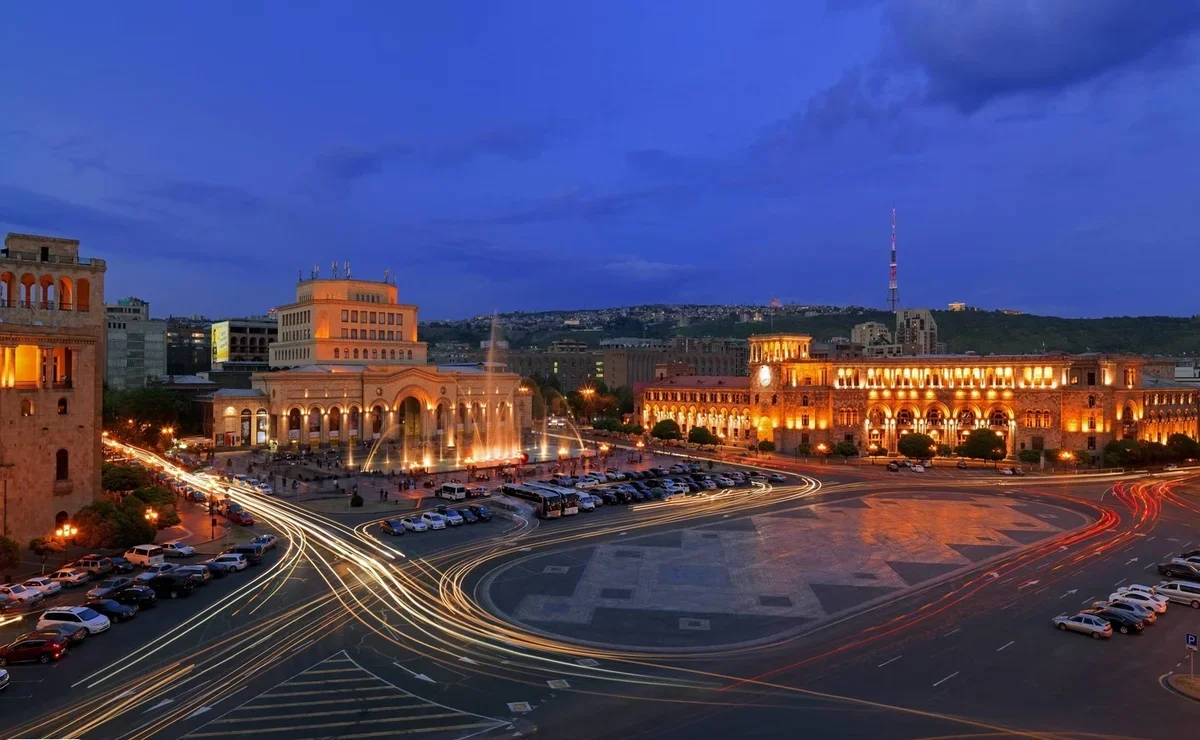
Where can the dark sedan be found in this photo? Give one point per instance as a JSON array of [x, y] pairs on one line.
[[1122, 621], [75, 633], [139, 596], [392, 527], [121, 565], [113, 609], [172, 586], [481, 511], [468, 516]]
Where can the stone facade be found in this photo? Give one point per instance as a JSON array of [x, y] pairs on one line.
[[1053, 401], [52, 342]]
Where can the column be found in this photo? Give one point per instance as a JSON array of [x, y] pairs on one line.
[[324, 438], [46, 360], [5, 366]]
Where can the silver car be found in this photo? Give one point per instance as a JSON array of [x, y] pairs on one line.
[[1084, 623], [1181, 592]]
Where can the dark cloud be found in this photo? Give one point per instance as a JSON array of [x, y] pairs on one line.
[[75, 151], [518, 142], [663, 165], [975, 51], [344, 163], [206, 194]]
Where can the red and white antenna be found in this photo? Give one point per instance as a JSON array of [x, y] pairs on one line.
[[893, 299]]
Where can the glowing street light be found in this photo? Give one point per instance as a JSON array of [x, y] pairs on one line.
[[65, 531], [152, 516]]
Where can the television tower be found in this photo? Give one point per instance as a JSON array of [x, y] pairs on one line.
[[893, 299]]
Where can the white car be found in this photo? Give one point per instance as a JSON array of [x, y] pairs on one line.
[[177, 550], [708, 484], [253, 482], [414, 525], [1006, 471], [1139, 598], [21, 593], [777, 477], [1171, 466], [44, 584], [1180, 592], [1144, 589], [918, 468], [453, 517], [75, 616], [587, 503], [266, 488], [229, 562], [585, 484], [149, 573], [69, 577], [433, 521]]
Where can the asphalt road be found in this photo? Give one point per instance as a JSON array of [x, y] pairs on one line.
[[343, 633]]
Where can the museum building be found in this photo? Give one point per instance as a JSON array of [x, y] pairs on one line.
[[1046, 401]]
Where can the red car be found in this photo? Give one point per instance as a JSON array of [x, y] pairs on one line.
[[241, 517], [40, 648]]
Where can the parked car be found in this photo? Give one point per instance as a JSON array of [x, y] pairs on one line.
[[1145, 614], [893, 467], [777, 478], [172, 585], [414, 525], [1180, 592], [70, 577], [918, 468], [3, 680], [177, 550], [1122, 621], [97, 566], [214, 570], [43, 584], [1006, 471], [392, 527], [1180, 568], [39, 649], [1141, 599], [724, 481], [24, 594], [1170, 466], [154, 570], [201, 572], [108, 587], [75, 633], [961, 465], [113, 609], [252, 552], [139, 596], [75, 616], [433, 520], [1088, 624], [144, 555], [241, 517], [266, 541], [229, 562], [467, 516], [587, 503], [121, 565]]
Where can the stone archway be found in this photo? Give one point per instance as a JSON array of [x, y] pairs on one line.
[[409, 421]]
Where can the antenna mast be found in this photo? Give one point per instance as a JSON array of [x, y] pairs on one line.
[[893, 299]]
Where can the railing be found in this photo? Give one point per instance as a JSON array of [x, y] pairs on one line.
[[60, 259], [44, 306]]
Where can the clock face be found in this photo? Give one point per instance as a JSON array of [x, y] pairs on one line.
[[764, 376]]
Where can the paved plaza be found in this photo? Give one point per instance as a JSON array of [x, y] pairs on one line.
[[755, 577]]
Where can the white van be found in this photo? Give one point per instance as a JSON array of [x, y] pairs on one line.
[[145, 555], [453, 491]]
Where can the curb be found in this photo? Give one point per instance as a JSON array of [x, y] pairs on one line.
[[1172, 683]]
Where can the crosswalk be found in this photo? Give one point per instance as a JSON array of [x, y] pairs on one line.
[[339, 698]]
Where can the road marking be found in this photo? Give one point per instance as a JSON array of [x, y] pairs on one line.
[[586, 662], [1151, 539], [1088, 600], [1027, 583], [1184, 546], [324, 681], [1118, 583], [332, 670], [893, 660], [1047, 588], [159, 705], [301, 646], [1010, 642], [1149, 566], [947, 678], [1131, 561], [414, 674], [198, 712], [951, 632], [467, 660], [327, 691], [1072, 592], [1169, 553]]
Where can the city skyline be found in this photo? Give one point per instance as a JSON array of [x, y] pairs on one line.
[[704, 157]]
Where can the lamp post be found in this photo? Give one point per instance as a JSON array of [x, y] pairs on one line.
[[65, 532], [873, 449], [823, 449], [152, 517]]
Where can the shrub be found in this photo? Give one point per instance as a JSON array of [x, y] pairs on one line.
[[356, 500]]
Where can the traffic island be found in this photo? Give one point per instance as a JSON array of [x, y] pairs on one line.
[[1189, 686]]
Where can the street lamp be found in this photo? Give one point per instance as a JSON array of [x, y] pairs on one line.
[[873, 448], [65, 531], [152, 517], [822, 448]]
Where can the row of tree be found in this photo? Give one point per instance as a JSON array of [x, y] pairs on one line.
[[610, 424]]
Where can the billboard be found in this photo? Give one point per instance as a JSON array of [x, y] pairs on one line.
[[220, 342]]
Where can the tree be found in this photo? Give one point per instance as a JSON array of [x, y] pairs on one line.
[[666, 429], [1082, 457], [1121, 453], [1030, 457], [10, 554], [945, 450], [916, 446], [982, 444], [766, 445], [804, 449], [846, 449], [44, 547], [108, 524], [356, 500], [117, 477], [701, 436], [1184, 447]]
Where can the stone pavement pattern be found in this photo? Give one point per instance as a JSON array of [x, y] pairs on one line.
[[752, 577]]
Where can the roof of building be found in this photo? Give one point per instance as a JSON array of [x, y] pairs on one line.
[[1153, 381], [239, 393], [184, 380]]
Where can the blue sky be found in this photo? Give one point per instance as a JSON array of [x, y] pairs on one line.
[[535, 155]]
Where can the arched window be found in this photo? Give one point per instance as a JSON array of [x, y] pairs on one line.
[[26, 407], [966, 418], [1091, 402], [335, 353], [393, 354], [904, 417], [374, 354], [803, 400], [62, 406], [356, 353], [410, 354], [62, 468], [998, 418], [934, 416]]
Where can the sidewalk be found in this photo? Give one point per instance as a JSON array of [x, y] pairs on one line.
[[341, 505], [195, 529]]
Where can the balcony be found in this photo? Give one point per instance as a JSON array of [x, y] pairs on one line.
[[42, 306]]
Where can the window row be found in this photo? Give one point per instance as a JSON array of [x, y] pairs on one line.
[[297, 335], [698, 397], [391, 318], [374, 354], [301, 353], [27, 407], [380, 334], [296, 318]]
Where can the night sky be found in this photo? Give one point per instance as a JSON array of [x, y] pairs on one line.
[[533, 155]]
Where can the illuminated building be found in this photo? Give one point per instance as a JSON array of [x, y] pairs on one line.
[[52, 341], [367, 382], [1051, 401]]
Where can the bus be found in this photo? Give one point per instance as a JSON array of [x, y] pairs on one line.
[[546, 504], [568, 496]]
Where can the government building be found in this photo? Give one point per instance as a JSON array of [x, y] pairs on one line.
[[1034, 402], [347, 368], [52, 341]]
